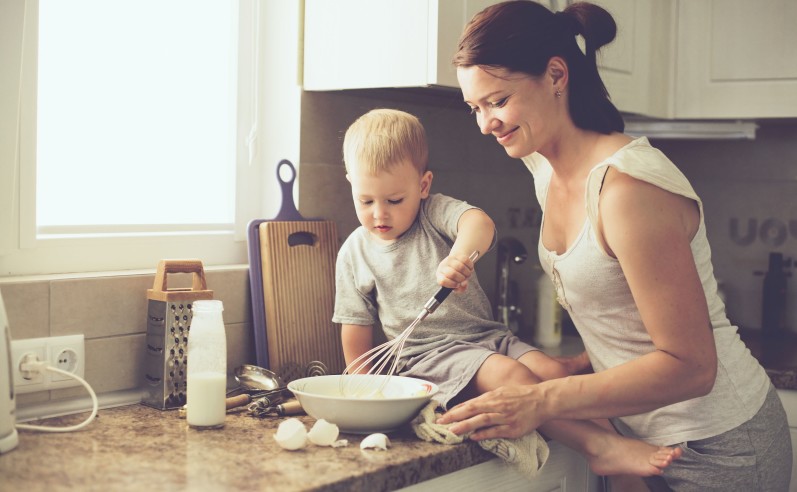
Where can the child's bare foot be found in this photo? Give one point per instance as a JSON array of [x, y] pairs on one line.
[[623, 456]]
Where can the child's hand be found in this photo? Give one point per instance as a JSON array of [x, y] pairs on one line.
[[453, 272]]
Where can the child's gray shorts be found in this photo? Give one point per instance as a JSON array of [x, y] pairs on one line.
[[453, 365]]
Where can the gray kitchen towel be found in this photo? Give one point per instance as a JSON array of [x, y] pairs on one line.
[[528, 453]]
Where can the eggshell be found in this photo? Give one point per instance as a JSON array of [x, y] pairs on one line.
[[291, 434], [323, 433], [375, 441]]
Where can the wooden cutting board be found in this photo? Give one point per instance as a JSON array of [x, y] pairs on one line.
[[298, 265], [292, 283]]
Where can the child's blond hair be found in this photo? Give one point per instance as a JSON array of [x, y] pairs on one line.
[[382, 138]]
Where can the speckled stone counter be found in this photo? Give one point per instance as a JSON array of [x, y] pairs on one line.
[[139, 448]]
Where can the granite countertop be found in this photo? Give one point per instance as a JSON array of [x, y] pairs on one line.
[[140, 448], [137, 447], [777, 353]]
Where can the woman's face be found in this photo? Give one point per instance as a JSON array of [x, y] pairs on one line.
[[515, 108]]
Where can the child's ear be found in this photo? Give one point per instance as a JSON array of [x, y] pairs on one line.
[[426, 184]]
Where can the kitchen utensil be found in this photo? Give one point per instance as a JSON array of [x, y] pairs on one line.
[[168, 322], [292, 277], [261, 408], [370, 365], [8, 431], [401, 399], [256, 382], [267, 389], [257, 378]]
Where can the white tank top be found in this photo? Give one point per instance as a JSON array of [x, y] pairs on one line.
[[591, 286]]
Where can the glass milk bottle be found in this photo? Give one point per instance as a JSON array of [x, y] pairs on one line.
[[207, 367]]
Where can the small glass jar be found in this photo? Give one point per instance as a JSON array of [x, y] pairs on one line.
[[207, 367]]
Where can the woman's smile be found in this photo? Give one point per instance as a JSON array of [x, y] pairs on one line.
[[503, 138]]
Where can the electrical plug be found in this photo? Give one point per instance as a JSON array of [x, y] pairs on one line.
[[30, 366]]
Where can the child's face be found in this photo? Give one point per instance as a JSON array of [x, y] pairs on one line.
[[388, 203]]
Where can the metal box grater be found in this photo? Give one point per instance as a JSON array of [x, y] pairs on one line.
[[168, 324]]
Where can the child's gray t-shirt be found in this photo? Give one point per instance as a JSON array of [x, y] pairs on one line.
[[390, 283]]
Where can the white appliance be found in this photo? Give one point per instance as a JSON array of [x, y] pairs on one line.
[[8, 430]]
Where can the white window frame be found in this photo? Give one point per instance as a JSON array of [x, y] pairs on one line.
[[269, 88]]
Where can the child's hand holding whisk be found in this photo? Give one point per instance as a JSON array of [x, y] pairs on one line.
[[455, 270]]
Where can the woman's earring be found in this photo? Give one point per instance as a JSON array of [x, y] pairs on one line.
[[558, 93]]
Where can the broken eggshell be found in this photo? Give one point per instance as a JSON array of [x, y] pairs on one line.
[[323, 433], [375, 441], [291, 434]]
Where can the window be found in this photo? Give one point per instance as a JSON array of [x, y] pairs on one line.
[[140, 135], [131, 130]]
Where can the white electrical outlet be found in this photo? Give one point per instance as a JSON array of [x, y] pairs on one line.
[[66, 353]]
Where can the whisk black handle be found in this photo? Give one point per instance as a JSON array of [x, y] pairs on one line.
[[442, 294], [435, 301]]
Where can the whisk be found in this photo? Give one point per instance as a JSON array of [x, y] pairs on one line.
[[359, 383]]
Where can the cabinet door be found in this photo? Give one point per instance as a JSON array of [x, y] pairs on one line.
[[736, 59], [565, 471], [638, 66], [353, 44], [357, 44], [451, 18]]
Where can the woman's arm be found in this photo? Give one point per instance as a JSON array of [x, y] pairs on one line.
[[356, 340], [649, 231], [475, 231]]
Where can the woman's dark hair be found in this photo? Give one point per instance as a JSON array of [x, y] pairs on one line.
[[522, 36]]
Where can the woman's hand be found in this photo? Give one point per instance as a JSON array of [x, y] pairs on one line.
[[509, 411]]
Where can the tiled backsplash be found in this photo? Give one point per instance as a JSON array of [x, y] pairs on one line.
[[749, 189], [111, 312]]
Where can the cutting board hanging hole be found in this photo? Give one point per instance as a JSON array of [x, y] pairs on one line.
[[302, 238], [286, 174]]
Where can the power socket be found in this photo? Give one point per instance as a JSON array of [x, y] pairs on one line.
[[67, 353]]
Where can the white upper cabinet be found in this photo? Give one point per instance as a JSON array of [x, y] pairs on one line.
[[687, 59], [354, 44], [736, 59], [638, 67], [703, 58]]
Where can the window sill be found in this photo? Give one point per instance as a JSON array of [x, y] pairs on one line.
[[114, 273]]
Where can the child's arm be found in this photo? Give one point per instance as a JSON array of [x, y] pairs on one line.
[[357, 340], [475, 231]]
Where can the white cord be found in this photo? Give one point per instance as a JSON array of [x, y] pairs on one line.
[[95, 403]]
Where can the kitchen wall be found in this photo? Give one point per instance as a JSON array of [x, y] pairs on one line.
[[466, 165], [111, 312], [749, 190], [748, 187]]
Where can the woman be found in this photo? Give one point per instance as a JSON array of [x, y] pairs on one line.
[[623, 239]]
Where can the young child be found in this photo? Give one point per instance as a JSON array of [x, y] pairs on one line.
[[410, 243]]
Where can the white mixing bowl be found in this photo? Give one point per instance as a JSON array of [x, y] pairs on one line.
[[400, 401]]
